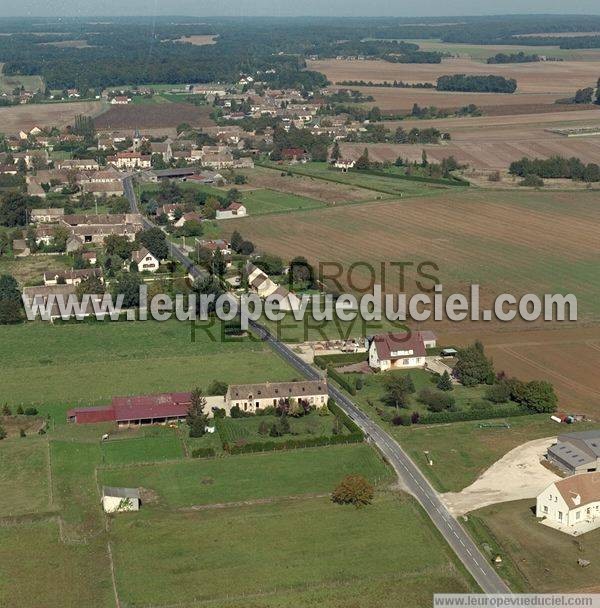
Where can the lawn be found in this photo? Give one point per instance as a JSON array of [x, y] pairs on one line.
[[247, 429], [162, 444], [293, 553], [249, 477], [536, 558], [30, 270], [461, 451], [89, 363], [40, 570], [24, 476], [383, 185], [264, 201]]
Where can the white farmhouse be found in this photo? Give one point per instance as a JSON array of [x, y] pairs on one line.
[[145, 261], [232, 211], [571, 505], [400, 350], [119, 500]]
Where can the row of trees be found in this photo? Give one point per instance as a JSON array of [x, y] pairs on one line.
[[556, 167], [477, 84]]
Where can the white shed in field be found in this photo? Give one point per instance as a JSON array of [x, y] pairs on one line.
[[118, 500]]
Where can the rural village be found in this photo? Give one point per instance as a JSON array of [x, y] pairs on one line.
[[297, 463]]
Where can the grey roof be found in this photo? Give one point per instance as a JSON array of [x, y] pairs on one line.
[[274, 390], [121, 492], [587, 441], [570, 454]]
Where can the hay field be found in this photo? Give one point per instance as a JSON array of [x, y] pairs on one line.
[[516, 242], [15, 118], [562, 77]]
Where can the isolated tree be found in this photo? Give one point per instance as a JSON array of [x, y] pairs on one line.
[[155, 241], [397, 390], [10, 300], [473, 367], [335, 152], [118, 245], [362, 162], [196, 418], [445, 382], [246, 248], [91, 285], [301, 271], [218, 264], [353, 490], [128, 284], [236, 241], [13, 209]]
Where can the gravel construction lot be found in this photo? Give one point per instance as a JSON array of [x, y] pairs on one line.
[[517, 475]]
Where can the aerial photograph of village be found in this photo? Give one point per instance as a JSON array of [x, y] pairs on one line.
[[299, 304]]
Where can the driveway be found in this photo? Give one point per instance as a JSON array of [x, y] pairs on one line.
[[517, 475]]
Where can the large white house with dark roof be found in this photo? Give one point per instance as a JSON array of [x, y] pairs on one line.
[[400, 350]]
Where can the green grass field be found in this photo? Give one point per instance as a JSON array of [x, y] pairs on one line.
[[264, 201], [89, 363], [462, 451], [24, 477], [164, 445], [9, 83], [249, 477], [383, 185], [40, 570], [297, 553]]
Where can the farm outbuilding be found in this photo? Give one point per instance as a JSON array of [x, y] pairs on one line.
[[119, 500]]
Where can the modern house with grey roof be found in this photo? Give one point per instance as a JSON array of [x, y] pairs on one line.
[[576, 452]]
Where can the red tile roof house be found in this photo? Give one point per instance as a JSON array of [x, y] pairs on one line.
[[401, 350], [127, 411], [232, 211], [296, 154]]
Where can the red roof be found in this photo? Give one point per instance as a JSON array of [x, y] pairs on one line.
[[143, 407], [234, 206], [151, 406], [390, 346], [90, 415], [292, 152]]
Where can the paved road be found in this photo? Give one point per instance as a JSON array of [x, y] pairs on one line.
[[410, 476]]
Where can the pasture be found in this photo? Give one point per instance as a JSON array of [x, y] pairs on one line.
[[177, 485], [308, 552], [264, 201], [89, 363]]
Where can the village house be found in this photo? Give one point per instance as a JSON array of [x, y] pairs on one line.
[[400, 350], [71, 277], [162, 148], [191, 216], [169, 210], [344, 165], [576, 452], [91, 257], [46, 216], [261, 284], [131, 160], [252, 397], [120, 500], [81, 164], [120, 100], [233, 210], [99, 189], [295, 155], [571, 505], [145, 261]]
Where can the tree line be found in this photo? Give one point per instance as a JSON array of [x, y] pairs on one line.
[[556, 167]]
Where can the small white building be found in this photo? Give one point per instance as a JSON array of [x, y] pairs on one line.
[[571, 505], [344, 165], [120, 500], [232, 211], [145, 261], [400, 350]]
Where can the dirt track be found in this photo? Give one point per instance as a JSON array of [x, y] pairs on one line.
[[517, 475]]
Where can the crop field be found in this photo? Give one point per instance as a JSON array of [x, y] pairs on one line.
[[89, 363], [320, 544], [480, 52], [538, 559], [249, 477], [558, 78], [154, 116], [309, 187], [565, 356], [198, 40], [541, 242], [27, 116]]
